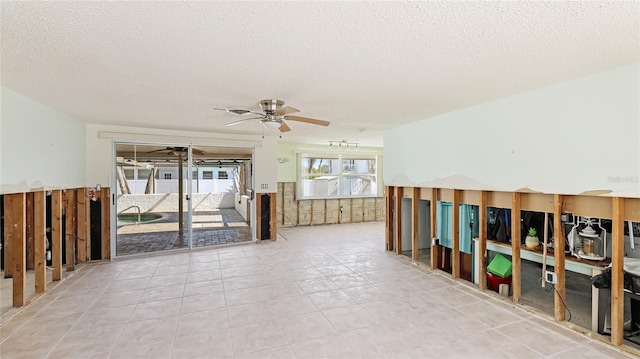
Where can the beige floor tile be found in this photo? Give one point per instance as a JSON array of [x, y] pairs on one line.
[[156, 309], [171, 269], [317, 285], [334, 270], [203, 275], [256, 337], [211, 344], [283, 352], [332, 346], [303, 327], [205, 287], [349, 318], [331, 299], [87, 343], [163, 293], [197, 303], [348, 280], [250, 313], [148, 332], [289, 306], [167, 280], [154, 350], [196, 322], [128, 284]]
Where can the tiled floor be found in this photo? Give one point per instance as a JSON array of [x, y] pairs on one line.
[[323, 291]]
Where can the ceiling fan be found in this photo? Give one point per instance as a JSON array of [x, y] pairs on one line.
[[273, 116], [179, 151]]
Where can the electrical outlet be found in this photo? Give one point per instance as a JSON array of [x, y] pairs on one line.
[[550, 277], [434, 241]]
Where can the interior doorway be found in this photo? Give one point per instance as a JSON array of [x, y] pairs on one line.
[[172, 197]]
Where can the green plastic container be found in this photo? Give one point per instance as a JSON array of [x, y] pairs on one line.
[[500, 266]]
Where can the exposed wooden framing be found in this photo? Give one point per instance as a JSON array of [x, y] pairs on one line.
[[632, 209], [482, 240], [588, 206], [56, 234], [30, 234], [325, 211], [559, 260], [499, 199], [470, 197], [273, 217], [537, 202], [350, 210], [455, 234], [40, 240], [388, 228], [258, 200], [105, 221], [15, 233], [311, 213], [398, 219], [81, 225], [70, 228], [425, 193], [414, 223], [515, 247], [617, 271], [88, 229], [434, 218], [445, 194]]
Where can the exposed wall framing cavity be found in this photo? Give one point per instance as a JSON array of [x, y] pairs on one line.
[[292, 212]]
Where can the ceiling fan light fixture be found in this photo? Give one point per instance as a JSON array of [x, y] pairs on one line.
[[271, 124]]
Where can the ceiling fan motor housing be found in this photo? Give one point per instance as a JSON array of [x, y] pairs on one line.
[[271, 106]]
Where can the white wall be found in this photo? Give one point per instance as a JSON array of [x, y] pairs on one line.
[[100, 139], [40, 148], [574, 137]]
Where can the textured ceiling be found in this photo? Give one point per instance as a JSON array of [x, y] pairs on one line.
[[360, 65]]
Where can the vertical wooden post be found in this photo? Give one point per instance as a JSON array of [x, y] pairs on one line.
[[273, 216], [617, 271], [56, 234], [258, 200], [388, 226], [81, 213], [40, 240], [434, 218], [88, 228], [30, 235], [15, 233], [558, 256], [105, 209], [70, 229], [516, 279], [455, 234], [398, 219], [414, 223], [482, 241]]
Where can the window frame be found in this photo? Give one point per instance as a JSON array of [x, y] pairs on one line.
[[342, 159]]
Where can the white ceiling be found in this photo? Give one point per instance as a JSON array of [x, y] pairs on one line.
[[360, 65]]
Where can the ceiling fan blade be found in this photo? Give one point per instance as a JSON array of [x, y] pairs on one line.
[[235, 111], [312, 121], [243, 120], [198, 152], [286, 110], [160, 150], [284, 127]]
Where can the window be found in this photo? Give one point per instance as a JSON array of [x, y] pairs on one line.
[[167, 176], [337, 175], [207, 175], [223, 175]]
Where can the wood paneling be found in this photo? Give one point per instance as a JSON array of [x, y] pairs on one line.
[[29, 230], [559, 260], [15, 233], [445, 195], [40, 240], [588, 206], [425, 193], [56, 234], [482, 245], [470, 197], [537, 202], [398, 219], [105, 208], [273, 224], [389, 220], [414, 223], [70, 229], [434, 219], [632, 209], [499, 199], [455, 234], [516, 279], [617, 272], [81, 225]]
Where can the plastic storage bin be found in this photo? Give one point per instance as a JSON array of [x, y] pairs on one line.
[[500, 266], [493, 282]]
